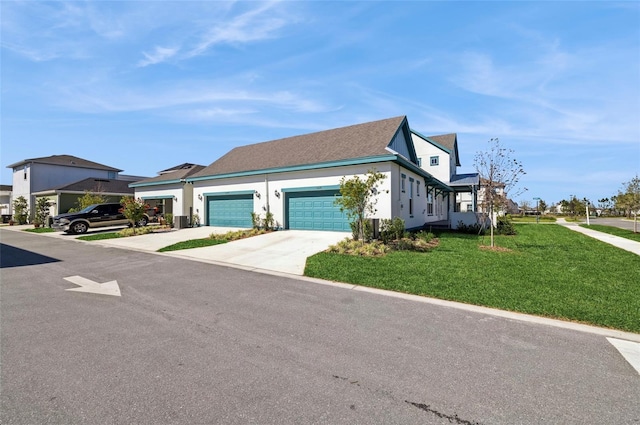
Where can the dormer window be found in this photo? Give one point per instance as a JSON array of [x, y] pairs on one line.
[[434, 160]]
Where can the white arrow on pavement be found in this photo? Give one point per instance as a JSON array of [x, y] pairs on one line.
[[629, 350], [86, 285]]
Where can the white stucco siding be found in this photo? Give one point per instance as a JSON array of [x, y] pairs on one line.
[[425, 151], [22, 186], [282, 182], [180, 197]]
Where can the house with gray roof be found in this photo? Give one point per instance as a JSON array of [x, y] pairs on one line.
[[169, 192], [297, 179], [35, 175], [64, 197]]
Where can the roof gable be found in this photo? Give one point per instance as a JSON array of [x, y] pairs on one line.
[[347, 143], [66, 161], [449, 142], [171, 175]]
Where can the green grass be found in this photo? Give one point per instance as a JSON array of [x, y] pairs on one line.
[[530, 219], [100, 236], [616, 231], [550, 271], [193, 243], [40, 230]]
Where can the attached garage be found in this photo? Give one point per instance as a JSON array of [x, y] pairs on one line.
[[315, 210], [230, 210]]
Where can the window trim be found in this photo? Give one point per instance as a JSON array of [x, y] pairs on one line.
[[434, 161]]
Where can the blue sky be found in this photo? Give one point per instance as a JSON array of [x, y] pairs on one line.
[[144, 86]]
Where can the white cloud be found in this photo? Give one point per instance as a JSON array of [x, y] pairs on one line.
[[160, 54]]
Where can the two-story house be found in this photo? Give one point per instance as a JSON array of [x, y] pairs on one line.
[[64, 178]]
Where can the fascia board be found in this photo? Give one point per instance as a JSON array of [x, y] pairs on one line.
[[156, 183]]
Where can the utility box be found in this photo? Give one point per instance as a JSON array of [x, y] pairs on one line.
[[180, 222]]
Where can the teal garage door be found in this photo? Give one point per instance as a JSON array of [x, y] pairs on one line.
[[230, 210], [315, 211]]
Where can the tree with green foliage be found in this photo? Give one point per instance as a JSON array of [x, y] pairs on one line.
[[133, 209], [628, 200], [573, 206], [499, 175], [20, 210], [358, 199], [42, 211], [542, 206], [89, 198]]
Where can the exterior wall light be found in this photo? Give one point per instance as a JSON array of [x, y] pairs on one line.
[[277, 193], [257, 194]]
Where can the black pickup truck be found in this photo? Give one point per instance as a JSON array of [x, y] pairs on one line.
[[98, 215]]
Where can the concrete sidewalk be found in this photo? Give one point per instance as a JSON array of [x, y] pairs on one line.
[[617, 241]]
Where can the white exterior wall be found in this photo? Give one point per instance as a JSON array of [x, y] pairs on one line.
[[22, 186], [41, 177], [391, 202], [180, 194], [425, 150]]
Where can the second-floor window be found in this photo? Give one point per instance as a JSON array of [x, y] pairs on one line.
[[434, 160]]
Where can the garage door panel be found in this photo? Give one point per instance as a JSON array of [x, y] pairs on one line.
[[315, 211], [230, 211]]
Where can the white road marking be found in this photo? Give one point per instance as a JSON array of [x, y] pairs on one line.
[[629, 350], [86, 285]]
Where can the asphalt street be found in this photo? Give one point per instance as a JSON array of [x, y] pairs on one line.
[[190, 342]]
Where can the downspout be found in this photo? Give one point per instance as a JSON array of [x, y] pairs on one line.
[[266, 182]]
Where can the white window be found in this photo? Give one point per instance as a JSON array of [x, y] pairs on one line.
[[434, 160], [429, 203], [418, 188], [411, 197], [469, 208], [402, 185]]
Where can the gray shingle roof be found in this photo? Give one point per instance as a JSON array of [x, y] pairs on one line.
[[65, 160], [180, 172], [97, 185], [355, 141]]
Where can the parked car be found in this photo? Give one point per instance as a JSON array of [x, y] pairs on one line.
[[98, 215]]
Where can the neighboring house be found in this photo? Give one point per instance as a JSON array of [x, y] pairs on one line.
[[297, 179], [6, 200], [65, 197], [168, 192], [38, 175]]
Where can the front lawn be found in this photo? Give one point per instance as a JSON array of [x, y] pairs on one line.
[[549, 271], [616, 231], [193, 243]]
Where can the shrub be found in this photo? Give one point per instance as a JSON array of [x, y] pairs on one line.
[[472, 229], [20, 210], [391, 229], [169, 218], [505, 226], [353, 247], [255, 220], [42, 210]]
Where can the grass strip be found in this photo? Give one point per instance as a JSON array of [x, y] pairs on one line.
[[40, 230], [548, 271], [612, 230], [100, 236], [193, 243]]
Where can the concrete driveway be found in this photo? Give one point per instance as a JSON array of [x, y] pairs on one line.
[[283, 251]]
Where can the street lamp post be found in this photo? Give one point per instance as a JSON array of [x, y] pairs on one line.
[[537, 210]]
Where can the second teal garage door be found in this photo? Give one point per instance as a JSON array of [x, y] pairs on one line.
[[315, 211], [230, 210]]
